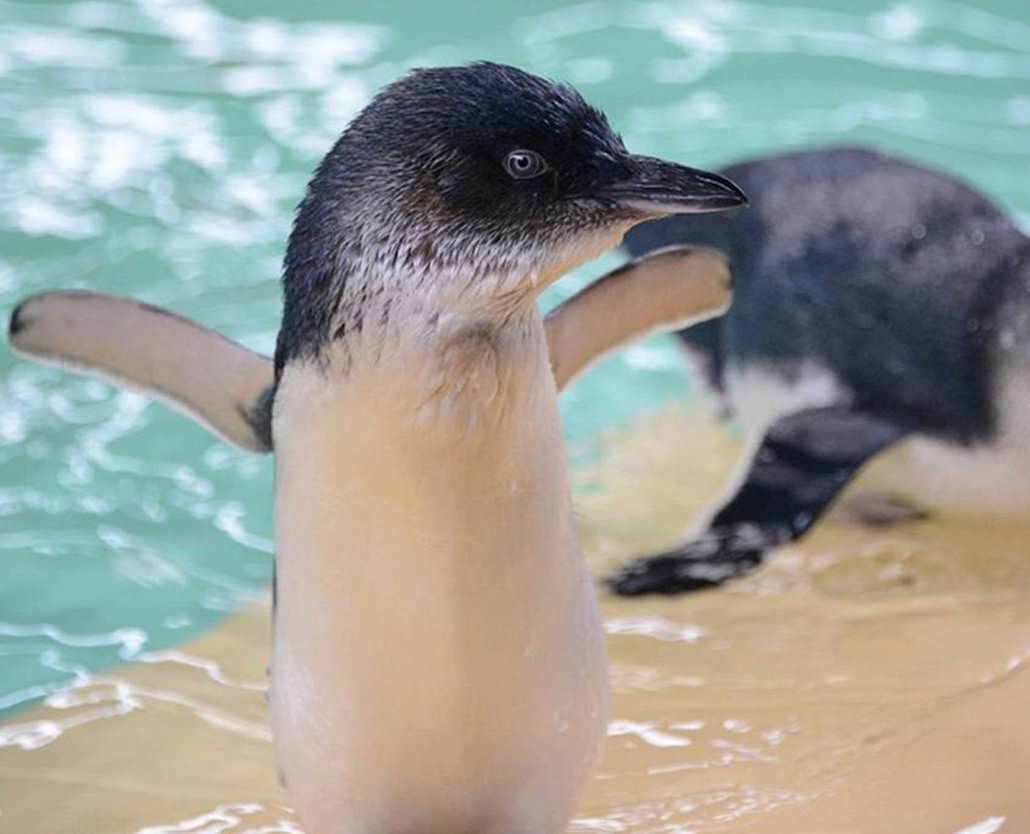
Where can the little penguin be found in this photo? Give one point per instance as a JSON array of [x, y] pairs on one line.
[[877, 303], [438, 663]]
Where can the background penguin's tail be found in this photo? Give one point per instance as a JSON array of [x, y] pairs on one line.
[[1000, 325], [218, 383]]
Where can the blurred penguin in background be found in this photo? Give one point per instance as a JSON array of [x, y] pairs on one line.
[[876, 303]]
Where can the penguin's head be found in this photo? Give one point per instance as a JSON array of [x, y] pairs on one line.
[[480, 170], [489, 157]]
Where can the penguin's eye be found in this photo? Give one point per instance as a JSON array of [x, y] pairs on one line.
[[524, 165]]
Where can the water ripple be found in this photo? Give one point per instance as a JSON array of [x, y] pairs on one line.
[[223, 820], [157, 148]]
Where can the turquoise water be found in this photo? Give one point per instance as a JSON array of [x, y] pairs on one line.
[[157, 149]]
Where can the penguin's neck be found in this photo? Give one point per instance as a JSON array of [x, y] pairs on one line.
[[454, 350], [469, 368]]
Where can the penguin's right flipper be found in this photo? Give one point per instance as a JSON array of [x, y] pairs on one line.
[[663, 290], [219, 383], [802, 464]]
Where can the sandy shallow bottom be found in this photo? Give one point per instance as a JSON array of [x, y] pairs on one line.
[[864, 682]]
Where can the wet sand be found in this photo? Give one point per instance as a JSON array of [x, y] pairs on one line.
[[867, 681]]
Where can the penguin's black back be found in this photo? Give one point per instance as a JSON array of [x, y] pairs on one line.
[[890, 275]]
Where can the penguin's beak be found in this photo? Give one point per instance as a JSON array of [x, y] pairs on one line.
[[654, 187]]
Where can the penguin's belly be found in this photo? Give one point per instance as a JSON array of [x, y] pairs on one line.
[[438, 663]]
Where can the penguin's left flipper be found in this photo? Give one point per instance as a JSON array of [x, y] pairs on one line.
[[666, 289], [218, 383], [802, 464]]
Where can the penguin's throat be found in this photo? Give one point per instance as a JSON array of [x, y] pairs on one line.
[[389, 293], [383, 312], [449, 364], [475, 370]]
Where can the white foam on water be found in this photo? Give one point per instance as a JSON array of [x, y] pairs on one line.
[[987, 826], [658, 628]]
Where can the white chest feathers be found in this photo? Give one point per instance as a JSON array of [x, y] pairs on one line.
[[438, 663]]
